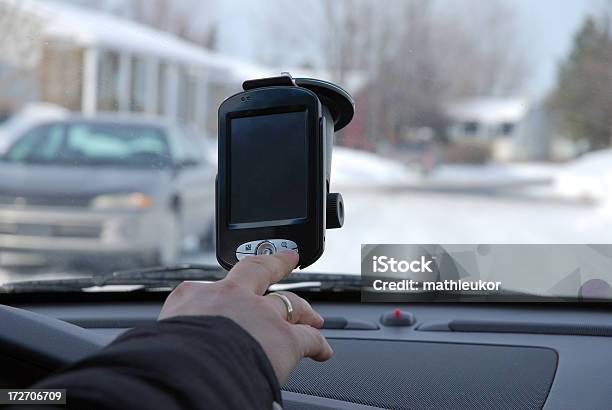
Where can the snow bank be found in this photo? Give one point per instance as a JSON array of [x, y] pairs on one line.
[[489, 173], [360, 169], [588, 178]]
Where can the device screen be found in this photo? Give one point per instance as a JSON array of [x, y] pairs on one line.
[[268, 168]]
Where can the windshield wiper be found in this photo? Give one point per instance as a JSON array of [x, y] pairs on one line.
[[165, 278], [168, 277], [180, 273]]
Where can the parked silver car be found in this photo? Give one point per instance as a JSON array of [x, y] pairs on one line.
[[124, 188]]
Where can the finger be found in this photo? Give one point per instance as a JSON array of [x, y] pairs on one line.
[[257, 273], [302, 311], [312, 343]]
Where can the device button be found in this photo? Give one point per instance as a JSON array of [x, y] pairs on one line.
[[284, 244], [265, 248], [247, 247], [241, 256]]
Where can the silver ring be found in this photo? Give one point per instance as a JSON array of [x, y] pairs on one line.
[[287, 303]]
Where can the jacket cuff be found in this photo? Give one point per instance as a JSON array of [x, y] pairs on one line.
[[225, 328]]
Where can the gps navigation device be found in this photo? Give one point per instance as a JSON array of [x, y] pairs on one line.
[[274, 168]]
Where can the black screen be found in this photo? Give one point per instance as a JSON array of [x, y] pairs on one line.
[[268, 168]]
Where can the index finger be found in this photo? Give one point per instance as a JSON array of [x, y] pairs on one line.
[[257, 273]]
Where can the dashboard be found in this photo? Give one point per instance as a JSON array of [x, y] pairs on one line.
[[418, 356]]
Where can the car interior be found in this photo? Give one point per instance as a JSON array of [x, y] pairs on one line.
[[143, 144], [454, 355]]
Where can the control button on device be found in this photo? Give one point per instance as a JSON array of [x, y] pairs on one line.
[[265, 248], [241, 256], [284, 244], [247, 247], [335, 211]]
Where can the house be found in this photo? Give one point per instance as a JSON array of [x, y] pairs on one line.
[[90, 61], [489, 121]]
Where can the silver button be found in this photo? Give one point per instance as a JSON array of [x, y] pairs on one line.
[[284, 244], [265, 248], [241, 256], [247, 247]]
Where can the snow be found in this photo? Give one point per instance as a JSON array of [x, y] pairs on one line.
[[465, 217], [417, 217], [588, 178], [489, 109], [498, 173], [359, 169]]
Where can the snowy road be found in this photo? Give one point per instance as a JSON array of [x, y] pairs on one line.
[[423, 217], [410, 217]]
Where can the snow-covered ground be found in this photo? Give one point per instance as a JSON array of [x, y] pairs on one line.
[[352, 169], [493, 173], [589, 177], [417, 217], [577, 206]]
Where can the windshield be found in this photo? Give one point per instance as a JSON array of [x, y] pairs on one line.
[[476, 122], [91, 144]]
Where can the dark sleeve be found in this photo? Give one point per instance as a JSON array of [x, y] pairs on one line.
[[179, 363]]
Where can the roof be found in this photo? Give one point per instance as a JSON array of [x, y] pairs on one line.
[[488, 109], [93, 28], [85, 27]]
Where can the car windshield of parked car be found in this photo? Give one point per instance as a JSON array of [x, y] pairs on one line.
[[84, 143], [480, 122]]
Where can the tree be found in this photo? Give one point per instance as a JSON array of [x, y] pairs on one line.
[[175, 18], [20, 40], [416, 55], [583, 95]]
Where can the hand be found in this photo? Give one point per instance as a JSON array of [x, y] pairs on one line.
[[239, 297]]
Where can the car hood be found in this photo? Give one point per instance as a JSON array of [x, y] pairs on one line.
[[72, 185]]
